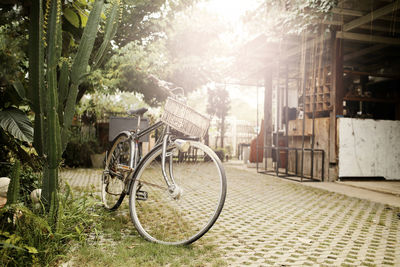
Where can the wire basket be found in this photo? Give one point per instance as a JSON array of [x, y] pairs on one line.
[[184, 119]]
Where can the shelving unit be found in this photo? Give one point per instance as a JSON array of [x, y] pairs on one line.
[[318, 96], [371, 99]]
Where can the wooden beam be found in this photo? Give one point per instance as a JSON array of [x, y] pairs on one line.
[[373, 74], [377, 28], [364, 51], [389, 18], [348, 12], [330, 22], [372, 16], [368, 38], [356, 13], [297, 50], [371, 99]]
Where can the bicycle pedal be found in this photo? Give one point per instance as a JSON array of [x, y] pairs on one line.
[[124, 168], [141, 195]]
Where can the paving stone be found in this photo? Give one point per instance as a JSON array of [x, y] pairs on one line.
[[267, 221]]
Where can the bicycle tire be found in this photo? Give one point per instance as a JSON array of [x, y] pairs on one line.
[[112, 181], [162, 219]]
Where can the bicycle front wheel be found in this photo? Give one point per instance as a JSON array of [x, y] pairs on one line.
[[113, 178], [181, 217]]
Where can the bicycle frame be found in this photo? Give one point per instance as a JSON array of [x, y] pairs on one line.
[[134, 154], [161, 195]]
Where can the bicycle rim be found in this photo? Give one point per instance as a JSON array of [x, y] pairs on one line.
[[112, 185], [161, 218]]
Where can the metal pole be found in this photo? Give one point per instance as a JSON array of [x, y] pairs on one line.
[[278, 101], [304, 43], [256, 136], [287, 116], [313, 117]]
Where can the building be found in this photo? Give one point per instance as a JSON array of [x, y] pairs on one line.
[[344, 85], [237, 132]]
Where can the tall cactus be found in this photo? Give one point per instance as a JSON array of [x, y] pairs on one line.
[[52, 100], [36, 94], [13, 187]]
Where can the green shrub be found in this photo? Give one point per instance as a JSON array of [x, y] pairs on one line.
[[28, 238], [29, 180], [13, 187], [77, 153]]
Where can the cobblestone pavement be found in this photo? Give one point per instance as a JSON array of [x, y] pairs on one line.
[[268, 221]]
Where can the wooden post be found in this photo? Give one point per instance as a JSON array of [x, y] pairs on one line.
[[268, 113], [336, 94]]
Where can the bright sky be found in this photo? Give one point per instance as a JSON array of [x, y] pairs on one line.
[[231, 10]]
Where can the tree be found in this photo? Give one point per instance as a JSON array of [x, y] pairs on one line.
[[289, 17], [54, 82], [129, 69], [218, 105], [16, 132], [144, 21], [186, 53], [194, 48], [62, 37]]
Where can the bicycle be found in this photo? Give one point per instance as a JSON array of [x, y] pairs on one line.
[[177, 190]]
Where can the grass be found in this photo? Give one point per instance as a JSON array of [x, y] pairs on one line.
[[117, 243], [131, 251]]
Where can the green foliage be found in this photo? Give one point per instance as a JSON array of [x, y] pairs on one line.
[[13, 61], [15, 252], [128, 71], [13, 106], [29, 180], [27, 237], [13, 187], [16, 132], [145, 20], [53, 97], [60, 59], [122, 246], [218, 105], [72, 17], [185, 53], [77, 153], [289, 16], [110, 29], [16, 122], [12, 149], [218, 102]]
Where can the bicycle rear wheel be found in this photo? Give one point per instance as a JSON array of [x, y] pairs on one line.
[[178, 219], [112, 186]]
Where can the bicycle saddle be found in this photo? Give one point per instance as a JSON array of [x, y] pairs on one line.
[[139, 111]]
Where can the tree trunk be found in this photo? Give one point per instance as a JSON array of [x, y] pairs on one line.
[[207, 138], [222, 131]]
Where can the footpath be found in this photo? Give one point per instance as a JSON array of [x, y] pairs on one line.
[[269, 221]]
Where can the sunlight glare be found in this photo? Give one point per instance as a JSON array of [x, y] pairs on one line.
[[231, 10]]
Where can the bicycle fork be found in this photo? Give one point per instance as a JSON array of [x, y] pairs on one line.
[[173, 188]]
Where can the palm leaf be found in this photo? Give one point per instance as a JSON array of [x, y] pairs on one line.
[[16, 122]]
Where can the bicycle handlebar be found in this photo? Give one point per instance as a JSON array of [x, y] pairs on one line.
[[166, 86]]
